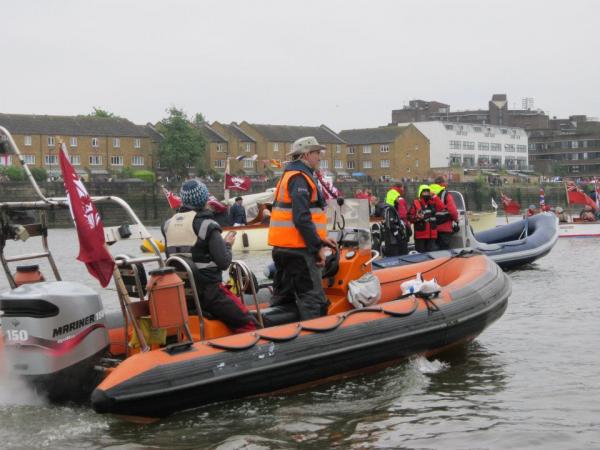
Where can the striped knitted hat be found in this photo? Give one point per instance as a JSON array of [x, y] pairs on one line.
[[194, 194]]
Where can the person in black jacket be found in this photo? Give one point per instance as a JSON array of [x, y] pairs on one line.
[[194, 233], [238, 213]]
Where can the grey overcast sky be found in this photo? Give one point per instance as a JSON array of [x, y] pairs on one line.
[[345, 64]]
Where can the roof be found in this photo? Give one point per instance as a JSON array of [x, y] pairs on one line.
[[152, 132], [364, 136], [71, 125], [238, 133], [290, 133], [210, 134]]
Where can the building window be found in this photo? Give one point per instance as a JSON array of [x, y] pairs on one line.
[[509, 147], [275, 147], [219, 163], [366, 149], [50, 141], [247, 147], [27, 141], [503, 131], [483, 146], [351, 150], [385, 163], [137, 160], [248, 164], [116, 160], [116, 142], [49, 160], [496, 147], [29, 159], [477, 129], [137, 143], [350, 164], [338, 164], [95, 160], [220, 148], [338, 148], [384, 148], [449, 127], [73, 141], [367, 164], [455, 145], [416, 163], [521, 148], [6, 160], [75, 160], [324, 164], [468, 145], [95, 142]]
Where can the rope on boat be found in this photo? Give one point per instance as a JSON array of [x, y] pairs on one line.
[[263, 334]]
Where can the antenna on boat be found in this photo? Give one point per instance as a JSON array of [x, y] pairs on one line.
[[13, 149]]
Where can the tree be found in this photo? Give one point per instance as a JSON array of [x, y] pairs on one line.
[[99, 112], [183, 144]]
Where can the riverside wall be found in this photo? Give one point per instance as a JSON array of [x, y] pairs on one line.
[[150, 205]]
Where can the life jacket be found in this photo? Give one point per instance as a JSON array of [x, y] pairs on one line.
[[182, 240], [442, 217], [426, 228], [282, 231]]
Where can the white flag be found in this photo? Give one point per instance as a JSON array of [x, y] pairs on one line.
[[494, 204]]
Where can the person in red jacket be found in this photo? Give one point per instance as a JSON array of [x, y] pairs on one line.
[[422, 216], [445, 220]]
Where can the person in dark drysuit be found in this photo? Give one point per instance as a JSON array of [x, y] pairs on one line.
[[192, 232]]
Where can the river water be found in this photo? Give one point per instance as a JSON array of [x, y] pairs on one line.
[[532, 380]]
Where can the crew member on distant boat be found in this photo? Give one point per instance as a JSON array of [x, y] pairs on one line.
[[238, 213], [422, 215], [194, 233], [531, 211], [298, 232], [562, 216], [394, 198], [446, 220], [587, 214]]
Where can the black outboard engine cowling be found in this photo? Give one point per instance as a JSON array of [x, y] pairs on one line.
[[54, 334]]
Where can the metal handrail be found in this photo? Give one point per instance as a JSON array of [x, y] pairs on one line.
[[242, 270]]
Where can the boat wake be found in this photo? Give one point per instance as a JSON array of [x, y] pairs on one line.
[[424, 366], [15, 392]]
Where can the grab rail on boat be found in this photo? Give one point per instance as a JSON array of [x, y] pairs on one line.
[[244, 279], [192, 282]]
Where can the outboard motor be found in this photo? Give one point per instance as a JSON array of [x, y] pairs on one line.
[[54, 334]]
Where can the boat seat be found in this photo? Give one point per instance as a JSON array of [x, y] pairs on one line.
[[279, 314]]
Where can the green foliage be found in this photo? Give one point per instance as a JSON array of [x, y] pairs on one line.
[[183, 144], [199, 119], [39, 173], [126, 172], [99, 112], [14, 173], [145, 175]]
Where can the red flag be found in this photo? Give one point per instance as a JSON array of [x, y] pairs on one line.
[[90, 231], [577, 196], [510, 206], [174, 201], [237, 183]]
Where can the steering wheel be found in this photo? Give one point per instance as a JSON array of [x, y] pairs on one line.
[[332, 264]]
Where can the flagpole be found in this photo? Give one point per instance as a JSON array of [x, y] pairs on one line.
[[225, 190]]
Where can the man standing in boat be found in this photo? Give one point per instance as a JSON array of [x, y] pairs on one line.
[[298, 232], [446, 219], [422, 215], [194, 233]]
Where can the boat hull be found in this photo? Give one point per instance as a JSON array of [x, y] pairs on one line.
[[579, 229], [366, 339]]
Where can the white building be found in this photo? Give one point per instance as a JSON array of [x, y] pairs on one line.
[[475, 145]]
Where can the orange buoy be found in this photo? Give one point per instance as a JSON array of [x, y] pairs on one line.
[[166, 298], [28, 274]]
